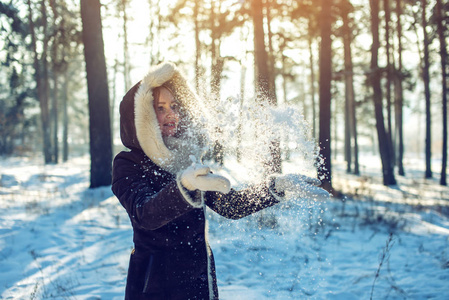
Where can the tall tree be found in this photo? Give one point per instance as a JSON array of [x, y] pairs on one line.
[[97, 84], [242, 98], [439, 9], [426, 80], [65, 118], [389, 77], [398, 91], [351, 143], [123, 8], [216, 60], [58, 66], [325, 171], [269, 7], [54, 115], [312, 82], [260, 52], [375, 76], [41, 76], [262, 77]]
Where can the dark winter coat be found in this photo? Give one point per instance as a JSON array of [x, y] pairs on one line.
[[171, 257]]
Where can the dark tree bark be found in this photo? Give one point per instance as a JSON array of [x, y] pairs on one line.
[[97, 83], [271, 55], [389, 80], [399, 94], [56, 68], [55, 119], [351, 144], [262, 80], [260, 53], [443, 58], [375, 76], [65, 118], [325, 171], [426, 80]]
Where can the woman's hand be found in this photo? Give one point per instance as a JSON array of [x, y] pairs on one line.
[[199, 177]]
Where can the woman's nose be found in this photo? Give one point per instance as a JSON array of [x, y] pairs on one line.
[[171, 113]]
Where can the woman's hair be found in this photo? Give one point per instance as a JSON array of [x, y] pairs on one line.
[[156, 95]]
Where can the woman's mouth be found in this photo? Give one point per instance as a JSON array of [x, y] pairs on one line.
[[170, 125]]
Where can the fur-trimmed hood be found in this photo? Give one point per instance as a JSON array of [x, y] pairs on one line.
[[139, 128]]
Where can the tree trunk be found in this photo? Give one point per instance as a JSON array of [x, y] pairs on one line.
[[334, 127], [312, 82], [217, 62], [325, 171], [399, 94], [347, 142], [375, 76], [351, 146], [355, 137], [271, 61], [443, 59], [56, 68], [262, 80], [242, 98], [426, 80], [97, 83], [126, 64], [260, 53], [65, 127], [388, 77], [45, 82], [54, 113], [282, 47], [41, 78]]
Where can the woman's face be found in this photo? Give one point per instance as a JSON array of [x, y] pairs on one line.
[[167, 112]]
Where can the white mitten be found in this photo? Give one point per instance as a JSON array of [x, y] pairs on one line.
[[199, 177], [301, 185]]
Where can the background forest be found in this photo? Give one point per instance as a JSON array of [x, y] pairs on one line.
[[355, 92], [367, 75]]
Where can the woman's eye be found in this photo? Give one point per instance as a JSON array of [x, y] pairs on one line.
[[160, 108]]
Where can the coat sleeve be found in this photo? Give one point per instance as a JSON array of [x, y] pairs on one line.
[[149, 204], [239, 204]]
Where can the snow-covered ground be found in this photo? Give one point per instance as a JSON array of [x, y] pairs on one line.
[[61, 240]]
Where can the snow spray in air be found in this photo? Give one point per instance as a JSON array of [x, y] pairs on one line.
[[242, 131], [269, 241]]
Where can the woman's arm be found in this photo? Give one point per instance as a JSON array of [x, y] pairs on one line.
[[239, 204], [151, 199]]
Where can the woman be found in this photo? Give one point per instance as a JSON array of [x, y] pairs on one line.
[[165, 194]]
